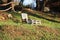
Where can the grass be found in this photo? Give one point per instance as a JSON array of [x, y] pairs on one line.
[[48, 30], [44, 22], [47, 22], [18, 16]]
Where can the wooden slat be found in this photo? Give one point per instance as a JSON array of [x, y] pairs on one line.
[[5, 4]]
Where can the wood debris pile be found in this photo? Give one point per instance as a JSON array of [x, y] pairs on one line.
[[4, 16]]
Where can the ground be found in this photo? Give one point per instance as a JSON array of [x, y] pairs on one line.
[[14, 29]]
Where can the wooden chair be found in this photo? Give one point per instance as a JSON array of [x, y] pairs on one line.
[[24, 17]]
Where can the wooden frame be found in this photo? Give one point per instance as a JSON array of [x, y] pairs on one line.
[[12, 6], [24, 17]]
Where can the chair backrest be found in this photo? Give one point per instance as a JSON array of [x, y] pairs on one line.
[[24, 17]]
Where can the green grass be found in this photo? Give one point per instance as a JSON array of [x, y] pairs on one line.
[[47, 22], [43, 21], [30, 32]]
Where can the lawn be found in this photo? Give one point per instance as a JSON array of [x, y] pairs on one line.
[[11, 30], [44, 22]]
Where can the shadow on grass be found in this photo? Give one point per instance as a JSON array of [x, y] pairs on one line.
[[52, 20], [43, 17]]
